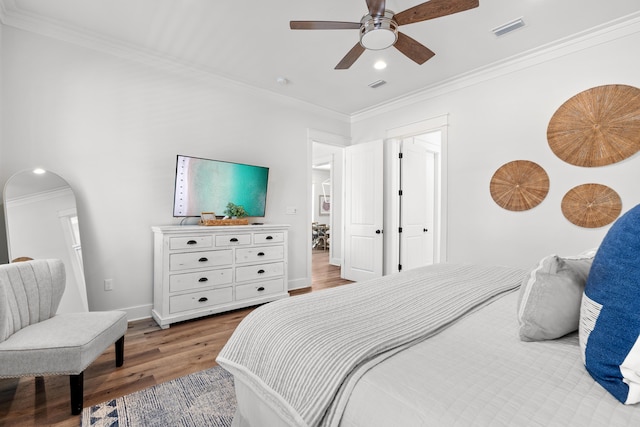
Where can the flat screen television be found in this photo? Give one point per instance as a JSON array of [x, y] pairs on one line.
[[206, 185]]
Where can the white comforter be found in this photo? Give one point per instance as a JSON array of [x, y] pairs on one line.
[[305, 354], [479, 373]]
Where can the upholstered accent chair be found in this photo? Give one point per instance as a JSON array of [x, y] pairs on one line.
[[36, 342]]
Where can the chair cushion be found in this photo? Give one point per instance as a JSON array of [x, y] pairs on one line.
[[62, 345]]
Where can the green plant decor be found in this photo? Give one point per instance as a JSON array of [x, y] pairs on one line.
[[236, 211]]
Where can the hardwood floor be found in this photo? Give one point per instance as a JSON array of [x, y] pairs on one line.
[[152, 356]]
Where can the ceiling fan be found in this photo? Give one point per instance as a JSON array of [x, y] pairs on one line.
[[379, 28]]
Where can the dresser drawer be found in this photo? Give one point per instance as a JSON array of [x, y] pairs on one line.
[[191, 242], [260, 271], [233, 240], [186, 281], [260, 238], [256, 290], [199, 300], [267, 253], [188, 260]]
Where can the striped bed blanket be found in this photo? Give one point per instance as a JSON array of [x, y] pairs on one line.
[[305, 354]]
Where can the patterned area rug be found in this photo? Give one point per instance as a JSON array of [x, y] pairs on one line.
[[205, 398]]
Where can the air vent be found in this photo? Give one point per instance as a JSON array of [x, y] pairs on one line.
[[508, 27], [377, 84]]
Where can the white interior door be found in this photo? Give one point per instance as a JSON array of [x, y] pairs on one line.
[[363, 239], [418, 181]]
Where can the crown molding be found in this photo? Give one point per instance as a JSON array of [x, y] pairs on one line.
[[327, 137], [604, 33], [11, 15], [39, 197]]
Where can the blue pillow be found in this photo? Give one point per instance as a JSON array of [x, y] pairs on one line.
[[610, 311]]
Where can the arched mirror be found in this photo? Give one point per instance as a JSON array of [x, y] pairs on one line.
[[42, 222]]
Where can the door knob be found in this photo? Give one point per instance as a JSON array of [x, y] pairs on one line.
[[378, 231], [425, 230]]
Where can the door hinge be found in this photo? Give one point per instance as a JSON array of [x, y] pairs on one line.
[[399, 267], [399, 155], [399, 229], [399, 192]]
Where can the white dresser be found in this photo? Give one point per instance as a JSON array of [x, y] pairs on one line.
[[200, 270]]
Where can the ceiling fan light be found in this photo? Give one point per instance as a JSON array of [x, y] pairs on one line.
[[378, 32], [378, 39]]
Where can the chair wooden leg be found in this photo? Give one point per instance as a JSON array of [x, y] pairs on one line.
[[76, 384], [120, 352]]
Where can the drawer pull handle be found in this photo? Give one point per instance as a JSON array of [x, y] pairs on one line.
[[203, 259], [192, 242], [269, 238], [203, 279], [233, 239], [203, 299], [260, 253], [260, 271], [260, 289]]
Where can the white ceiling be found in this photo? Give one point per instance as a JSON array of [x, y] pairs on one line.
[[250, 41]]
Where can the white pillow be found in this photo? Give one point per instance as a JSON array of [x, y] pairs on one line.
[[550, 297]]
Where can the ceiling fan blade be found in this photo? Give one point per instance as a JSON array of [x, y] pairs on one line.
[[376, 7], [434, 9], [413, 50], [324, 25], [350, 57]]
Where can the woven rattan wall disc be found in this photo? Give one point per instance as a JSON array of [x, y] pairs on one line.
[[519, 185], [591, 205], [597, 127]]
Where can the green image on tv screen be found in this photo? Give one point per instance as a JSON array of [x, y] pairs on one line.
[[204, 185]]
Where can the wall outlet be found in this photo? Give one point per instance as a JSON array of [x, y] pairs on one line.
[[292, 210], [108, 284]]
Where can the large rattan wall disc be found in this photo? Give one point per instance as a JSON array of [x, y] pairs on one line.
[[597, 127], [519, 185], [591, 205]]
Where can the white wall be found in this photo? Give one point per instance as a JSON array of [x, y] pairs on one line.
[[501, 115], [112, 129]]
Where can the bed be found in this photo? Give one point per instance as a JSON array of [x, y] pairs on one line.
[[444, 345]]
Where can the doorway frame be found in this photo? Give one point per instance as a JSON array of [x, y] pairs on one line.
[[434, 124], [338, 141]]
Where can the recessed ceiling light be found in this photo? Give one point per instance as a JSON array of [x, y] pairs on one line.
[[380, 65], [39, 171]]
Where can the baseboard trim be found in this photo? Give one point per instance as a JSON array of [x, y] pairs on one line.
[[138, 312], [299, 283]]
